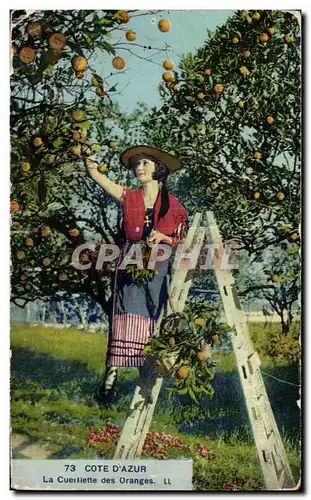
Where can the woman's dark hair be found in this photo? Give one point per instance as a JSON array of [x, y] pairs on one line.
[[160, 174]]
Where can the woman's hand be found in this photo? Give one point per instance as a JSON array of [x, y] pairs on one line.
[[156, 237], [91, 166]]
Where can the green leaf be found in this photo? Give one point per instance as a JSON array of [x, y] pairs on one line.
[[58, 142], [107, 47], [85, 124], [96, 148]]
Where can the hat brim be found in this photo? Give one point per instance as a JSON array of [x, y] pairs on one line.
[[169, 160]]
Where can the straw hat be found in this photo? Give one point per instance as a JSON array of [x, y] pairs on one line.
[[169, 160]]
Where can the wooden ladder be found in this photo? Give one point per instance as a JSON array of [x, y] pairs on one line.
[[270, 449]]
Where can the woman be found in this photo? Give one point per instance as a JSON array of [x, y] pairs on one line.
[[150, 216]]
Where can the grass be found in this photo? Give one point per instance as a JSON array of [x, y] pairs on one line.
[[55, 376]]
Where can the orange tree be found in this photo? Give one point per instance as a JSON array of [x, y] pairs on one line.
[[232, 112], [59, 104]]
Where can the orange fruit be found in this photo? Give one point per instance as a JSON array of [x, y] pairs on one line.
[[243, 70], [164, 25], [25, 166], [200, 321], [256, 195], [256, 16], [218, 89], [202, 356], [27, 55], [246, 53], [201, 96], [241, 104], [74, 232], [294, 236], [57, 41], [289, 39], [37, 142], [280, 196], [46, 261], [182, 372], [257, 155], [130, 35], [78, 115], [118, 62], [14, 206], [76, 135], [123, 15], [235, 40], [208, 71], [275, 278], [270, 30], [84, 257], [215, 339], [171, 341], [79, 63], [270, 120], [46, 231], [23, 277], [20, 255], [168, 65], [34, 29], [168, 76], [263, 37], [249, 20], [100, 92], [63, 277], [29, 242], [113, 145]]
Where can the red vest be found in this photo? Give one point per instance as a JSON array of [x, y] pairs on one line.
[[134, 214]]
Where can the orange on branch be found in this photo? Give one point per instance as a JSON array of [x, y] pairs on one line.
[[79, 63], [275, 278], [37, 142], [102, 168], [182, 372], [215, 339], [130, 35], [123, 15], [256, 16], [208, 72], [164, 25], [57, 41], [76, 150], [294, 236], [270, 30], [34, 29], [78, 115], [46, 261], [235, 40], [29, 242], [25, 166], [168, 65], [118, 63], [14, 206], [256, 195], [280, 196], [20, 255], [249, 20], [246, 53], [270, 120], [257, 155], [202, 356], [113, 145], [241, 104], [218, 89], [168, 76], [263, 37], [27, 55], [74, 232], [23, 277], [289, 39], [244, 70], [63, 277]]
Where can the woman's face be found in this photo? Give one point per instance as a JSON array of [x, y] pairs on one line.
[[144, 170]]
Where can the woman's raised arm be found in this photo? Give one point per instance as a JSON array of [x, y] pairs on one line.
[[115, 190]]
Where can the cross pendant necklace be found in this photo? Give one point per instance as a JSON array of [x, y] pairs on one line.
[[147, 220]]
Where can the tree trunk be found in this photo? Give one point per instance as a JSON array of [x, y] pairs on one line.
[[285, 323]]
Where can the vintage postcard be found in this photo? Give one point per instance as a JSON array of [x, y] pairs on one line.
[[155, 219]]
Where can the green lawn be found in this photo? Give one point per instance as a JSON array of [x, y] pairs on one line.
[[55, 376]]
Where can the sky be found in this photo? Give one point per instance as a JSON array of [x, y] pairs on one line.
[[140, 79]]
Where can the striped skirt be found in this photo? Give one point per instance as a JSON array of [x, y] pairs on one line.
[[136, 308]]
